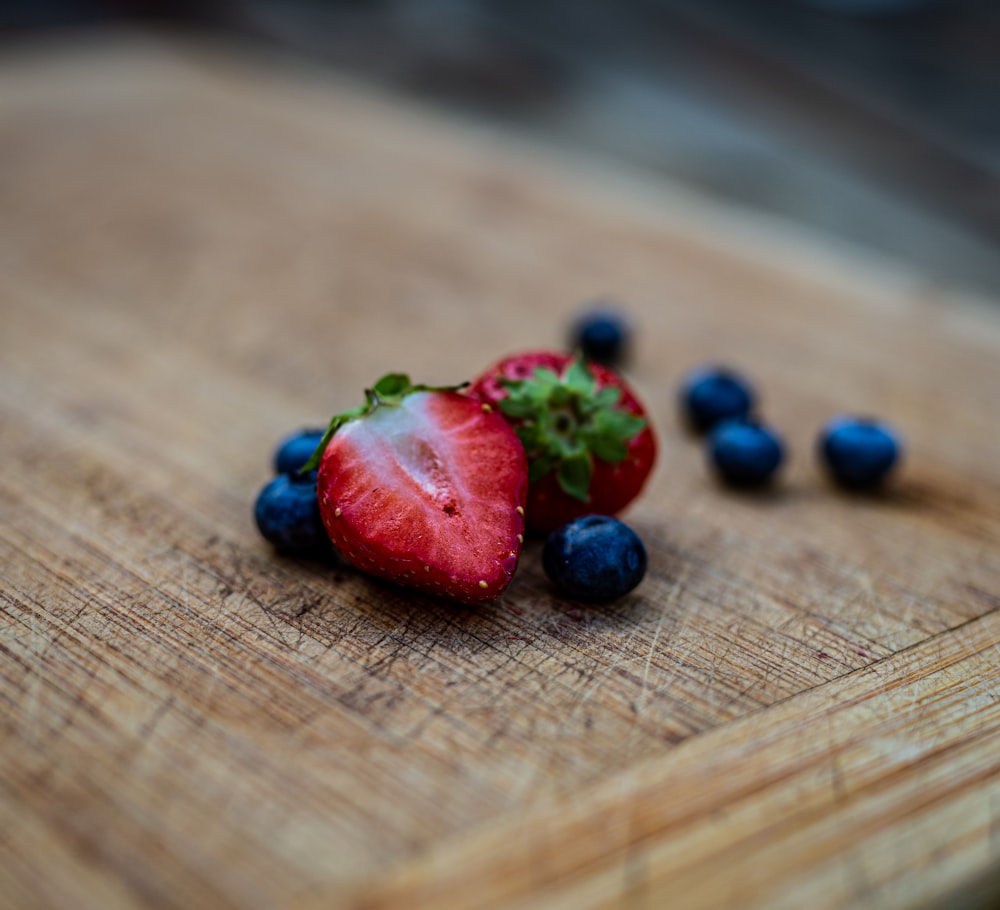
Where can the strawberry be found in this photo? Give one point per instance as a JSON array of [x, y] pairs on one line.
[[589, 443], [424, 487]]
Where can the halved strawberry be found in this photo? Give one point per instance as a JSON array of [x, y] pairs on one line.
[[589, 443], [424, 487]]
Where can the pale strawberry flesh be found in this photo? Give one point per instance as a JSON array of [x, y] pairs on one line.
[[428, 493]]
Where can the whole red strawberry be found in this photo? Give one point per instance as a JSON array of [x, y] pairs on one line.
[[424, 487], [589, 443]]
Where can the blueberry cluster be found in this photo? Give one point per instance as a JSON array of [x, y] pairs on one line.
[[858, 453], [286, 509], [600, 558], [720, 403]]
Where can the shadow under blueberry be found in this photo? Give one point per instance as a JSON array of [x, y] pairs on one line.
[[905, 494], [774, 492]]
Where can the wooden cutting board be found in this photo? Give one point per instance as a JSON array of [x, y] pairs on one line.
[[202, 251]]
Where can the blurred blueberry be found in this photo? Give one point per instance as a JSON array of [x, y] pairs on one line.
[[287, 515], [594, 558], [295, 450], [745, 453], [710, 394], [601, 334], [858, 452]]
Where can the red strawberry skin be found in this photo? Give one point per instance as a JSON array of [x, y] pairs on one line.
[[428, 493], [613, 484]]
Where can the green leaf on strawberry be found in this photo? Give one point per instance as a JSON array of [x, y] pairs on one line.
[[574, 475], [564, 422]]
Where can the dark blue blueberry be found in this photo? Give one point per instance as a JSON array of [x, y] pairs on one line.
[[295, 450], [858, 452], [601, 335], [711, 394], [594, 558], [744, 452], [287, 514]]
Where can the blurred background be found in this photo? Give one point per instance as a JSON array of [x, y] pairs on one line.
[[876, 122]]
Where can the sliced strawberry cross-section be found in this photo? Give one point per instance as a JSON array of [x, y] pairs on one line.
[[425, 487]]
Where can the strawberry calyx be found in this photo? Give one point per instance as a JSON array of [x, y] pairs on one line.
[[389, 391], [564, 422]]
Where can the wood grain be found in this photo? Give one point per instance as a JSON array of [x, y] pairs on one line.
[[202, 251]]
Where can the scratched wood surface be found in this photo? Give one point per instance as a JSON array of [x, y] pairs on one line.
[[200, 251]]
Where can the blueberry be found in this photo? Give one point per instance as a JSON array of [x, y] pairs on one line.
[[601, 335], [294, 450], [710, 394], [594, 558], [858, 452], [287, 514], [744, 452]]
